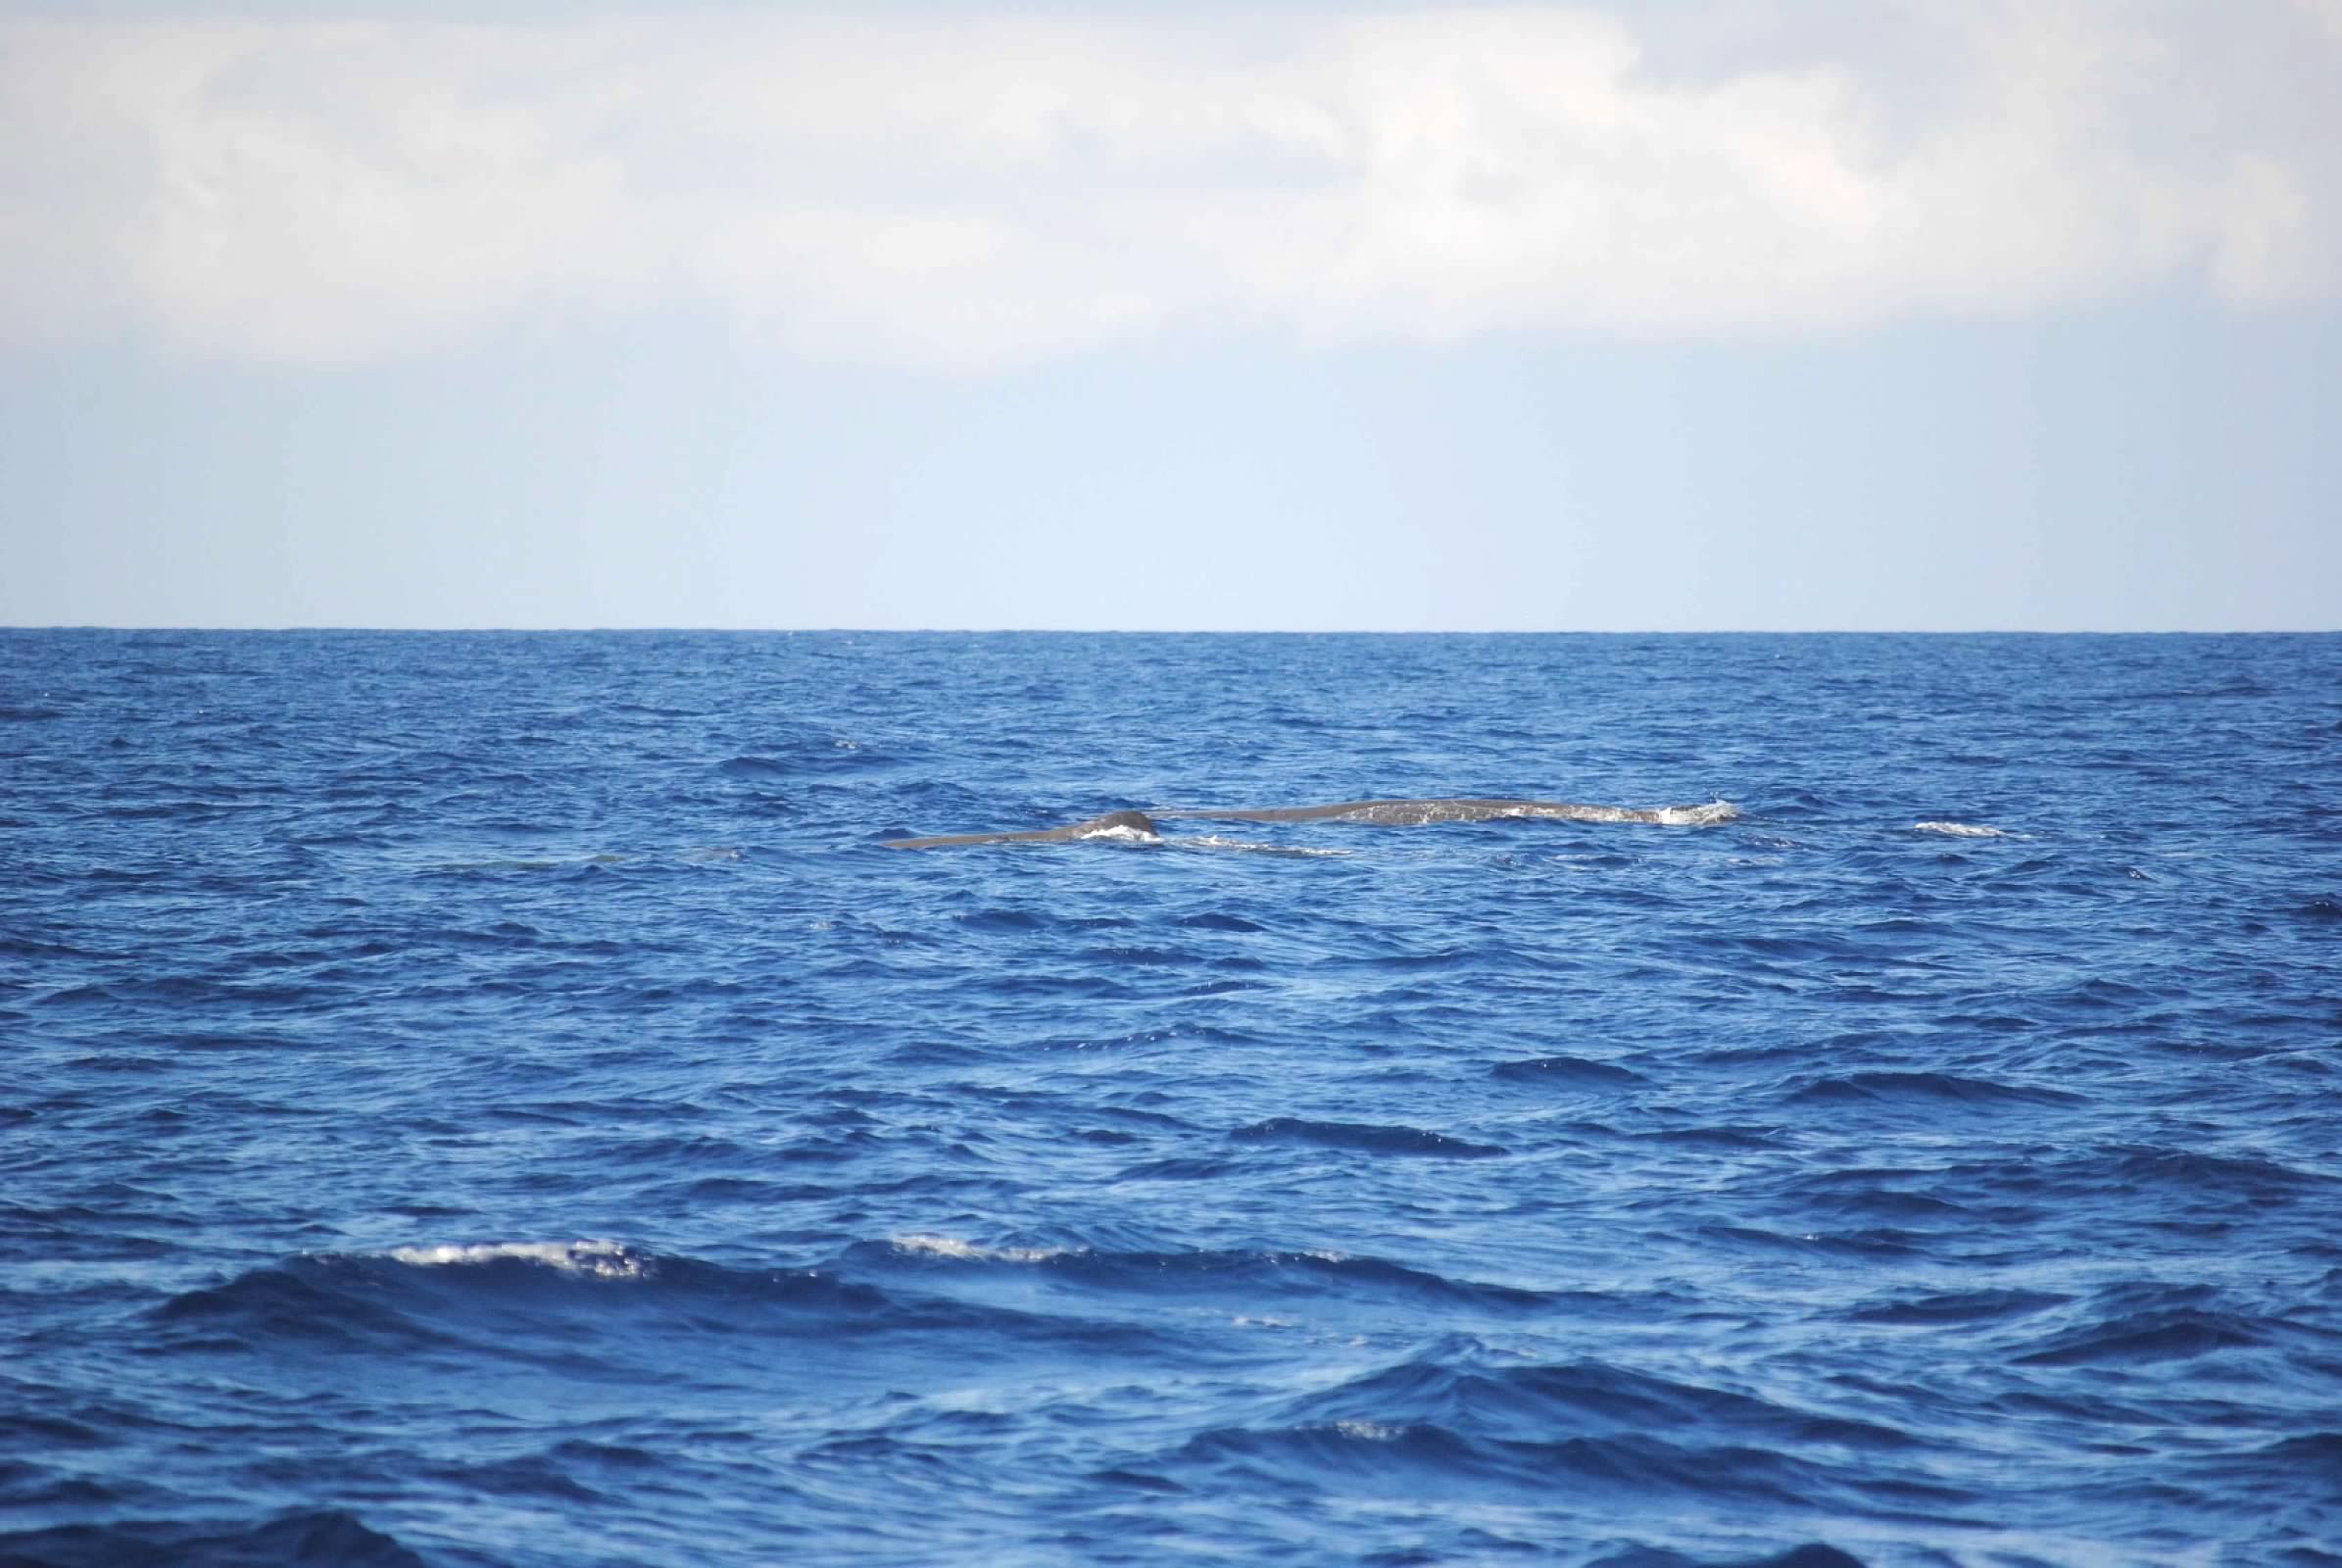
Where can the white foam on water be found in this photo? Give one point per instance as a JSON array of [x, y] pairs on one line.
[[952, 1246], [606, 1261], [1699, 815], [1961, 830], [1213, 840], [1371, 1431], [1123, 835]]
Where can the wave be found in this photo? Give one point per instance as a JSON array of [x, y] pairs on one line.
[[2200, 1176], [2147, 1321], [1360, 1455], [606, 1261], [1961, 830], [329, 1536], [1465, 1421], [534, 1297], [2154, 1336], [950, 1247], [1958, 1306], [1936, 1088], [1242, 1275], [1466, 1388], [1711, 814], [1574, 1070], [810, 755], [583, 1307], [1369, 1138], [585, 861], [1213, 840]]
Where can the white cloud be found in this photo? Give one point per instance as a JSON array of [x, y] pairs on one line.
[[940, 191]]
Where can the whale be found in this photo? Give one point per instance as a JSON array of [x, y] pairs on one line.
[[1421, 812], [1128, 827], [1139, 827]]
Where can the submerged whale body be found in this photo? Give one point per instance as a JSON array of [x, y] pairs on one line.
[[1140, 828], [1130, 827]]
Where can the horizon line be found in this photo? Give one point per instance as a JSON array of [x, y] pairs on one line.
[[294, 628]]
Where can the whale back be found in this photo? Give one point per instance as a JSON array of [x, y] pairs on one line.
[[1111, 825], [1422, 812], [1137, 827]]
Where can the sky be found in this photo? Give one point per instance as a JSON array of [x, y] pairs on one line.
[[1717, 315]]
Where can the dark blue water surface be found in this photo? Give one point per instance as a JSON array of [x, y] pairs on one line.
[[492, 1099]]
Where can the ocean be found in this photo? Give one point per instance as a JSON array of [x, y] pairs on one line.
[[495, 1099]]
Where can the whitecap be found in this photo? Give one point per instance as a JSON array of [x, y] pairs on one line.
[[608, 1260], [952, 1246], [1213, 840], [1371, 1431], [1961, 830]]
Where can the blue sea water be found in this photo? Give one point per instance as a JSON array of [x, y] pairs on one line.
[[493, 1099]]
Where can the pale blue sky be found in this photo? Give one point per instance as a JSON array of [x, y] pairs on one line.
[[1771, 317]]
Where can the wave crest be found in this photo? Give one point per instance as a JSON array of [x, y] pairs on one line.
[[608, 1260]]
